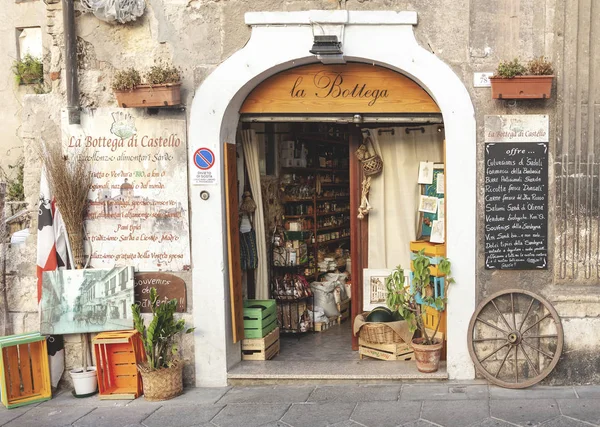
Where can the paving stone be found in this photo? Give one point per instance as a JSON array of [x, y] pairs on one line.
[[564, 422], [455, 413], [66, 398], [191, 396], [184, 416], [419, 423], [588, 391], [348, 423], [7, 415], [318, 413], [492, 422], [443, 392], [249, 415], [50, 417], [581, 409], [537, 392], [105, 417], [524, 412], [383, 414], [273, 394], [355, 393]]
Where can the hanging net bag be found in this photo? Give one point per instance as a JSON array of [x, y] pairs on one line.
[[121, 11]]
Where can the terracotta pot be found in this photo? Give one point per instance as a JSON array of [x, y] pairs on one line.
[[522, 87], [150, 96], [427, 356]]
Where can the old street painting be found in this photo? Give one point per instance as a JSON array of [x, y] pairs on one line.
[[79, 301]]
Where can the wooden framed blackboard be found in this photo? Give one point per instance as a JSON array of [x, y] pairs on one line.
[[516, 206]]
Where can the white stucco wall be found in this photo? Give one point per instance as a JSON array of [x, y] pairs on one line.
[[281, 40]]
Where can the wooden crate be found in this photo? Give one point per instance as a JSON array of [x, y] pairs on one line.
[[431, 249], [260, 320], [344, 309], [323, 326], [396, 351], [289, 314], [261, 348], [117, 356], [430, 318], [24, 370]]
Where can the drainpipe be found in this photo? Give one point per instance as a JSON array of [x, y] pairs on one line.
[[71, 61]]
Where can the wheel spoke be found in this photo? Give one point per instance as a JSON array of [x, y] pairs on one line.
[[529, 360], [526, 314], [537, 349], [488, 339], [493, 352], [512, 307], [492, 326], [516, 366], [541, 336], [500, 314], [502, 364], [536, 323]]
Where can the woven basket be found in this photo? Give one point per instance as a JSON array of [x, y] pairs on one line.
[[374, 164], [378, 333], [163, 384]]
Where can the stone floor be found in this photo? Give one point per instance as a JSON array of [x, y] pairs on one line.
[[401, 404], [324, 356]]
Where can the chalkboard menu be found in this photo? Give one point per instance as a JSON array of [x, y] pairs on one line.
[[516, 206]]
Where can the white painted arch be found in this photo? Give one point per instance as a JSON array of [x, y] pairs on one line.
[[281, 40]]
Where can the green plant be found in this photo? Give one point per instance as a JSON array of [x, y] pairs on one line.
[[402, 298], [162, 74], [14, 182], [158, 337], [28, 70], [540, 67], [510, 69], [126, 79]]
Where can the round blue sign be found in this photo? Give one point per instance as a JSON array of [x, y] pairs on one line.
[[204, 158]]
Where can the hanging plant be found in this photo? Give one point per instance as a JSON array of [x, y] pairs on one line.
[[161, 86], [513, 80]]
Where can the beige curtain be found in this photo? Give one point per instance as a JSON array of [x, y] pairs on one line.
[[395, 193], [251, 156]]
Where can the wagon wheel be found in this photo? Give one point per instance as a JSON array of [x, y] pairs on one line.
[[515, 338]]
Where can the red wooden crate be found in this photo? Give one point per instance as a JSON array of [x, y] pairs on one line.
[[117, 356]]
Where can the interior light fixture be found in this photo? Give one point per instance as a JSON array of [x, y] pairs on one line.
[[328, 49]]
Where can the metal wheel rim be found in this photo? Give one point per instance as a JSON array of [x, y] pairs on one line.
[[555, 357]]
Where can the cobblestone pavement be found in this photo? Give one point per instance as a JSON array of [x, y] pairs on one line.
[[407, 404]]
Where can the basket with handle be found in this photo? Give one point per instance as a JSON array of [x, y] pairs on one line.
[[372, 163], [378, 333]]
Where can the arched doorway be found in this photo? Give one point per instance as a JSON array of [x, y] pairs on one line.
[[213, 121]]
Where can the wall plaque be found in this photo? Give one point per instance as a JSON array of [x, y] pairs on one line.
[[516, 206], [168, 286]]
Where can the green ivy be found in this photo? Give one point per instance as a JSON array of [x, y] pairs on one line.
[[28, 70]]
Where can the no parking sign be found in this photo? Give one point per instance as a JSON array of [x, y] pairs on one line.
[[204, 160]]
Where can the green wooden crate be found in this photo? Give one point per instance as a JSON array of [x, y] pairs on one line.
[[261, 319]]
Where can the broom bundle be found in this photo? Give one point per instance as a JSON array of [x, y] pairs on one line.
[[69, 180]]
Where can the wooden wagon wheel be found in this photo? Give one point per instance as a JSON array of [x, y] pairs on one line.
[[515, 338]]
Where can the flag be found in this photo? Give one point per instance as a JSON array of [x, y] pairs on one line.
[[51, 238]]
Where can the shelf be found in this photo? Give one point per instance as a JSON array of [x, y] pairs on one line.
[[331, 170], [292, 200], [292, 299], [332, 199], [345, 211], [335, 184], [323, 140], [298, 217], [311, 169], [334, 240], [303, 265], [336, 227]]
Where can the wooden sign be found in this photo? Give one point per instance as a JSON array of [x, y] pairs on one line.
[[348, 88], [168, 287], [516, 206]]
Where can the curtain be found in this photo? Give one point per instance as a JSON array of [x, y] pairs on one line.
[[250, 145], [394, 193]]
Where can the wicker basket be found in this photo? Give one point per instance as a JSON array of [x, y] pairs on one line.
[[378, 333], [374, 164], [162, 384]]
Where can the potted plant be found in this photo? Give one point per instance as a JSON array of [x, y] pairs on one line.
[[513, 80], [161, 86], [84, 378], [410, 302], [162, 372]]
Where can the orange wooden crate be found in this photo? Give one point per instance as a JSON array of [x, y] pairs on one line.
[[24, 370], [117, 356]]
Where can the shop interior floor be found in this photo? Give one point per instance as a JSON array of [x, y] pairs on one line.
[[325, 357]]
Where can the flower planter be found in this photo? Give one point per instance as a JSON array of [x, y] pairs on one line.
[[85, 382], [427, 356], [522, 87], [150, 96], [162, 384]]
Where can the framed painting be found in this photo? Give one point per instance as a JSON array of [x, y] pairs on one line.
[[375, 291]]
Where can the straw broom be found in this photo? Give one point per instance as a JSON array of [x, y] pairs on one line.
[[70, 181]]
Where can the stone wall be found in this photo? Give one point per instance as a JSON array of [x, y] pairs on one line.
[[469, 35]]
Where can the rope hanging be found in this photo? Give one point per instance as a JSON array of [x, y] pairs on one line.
[[122, 11]]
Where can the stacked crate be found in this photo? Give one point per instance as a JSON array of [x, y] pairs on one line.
[[24, 370], [260, 330], [117, 356]]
